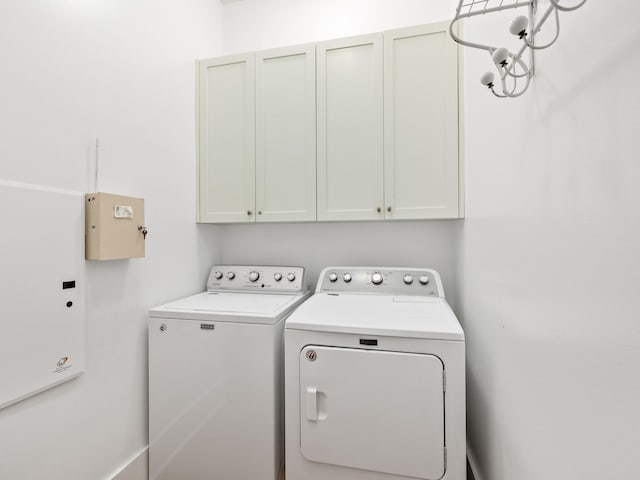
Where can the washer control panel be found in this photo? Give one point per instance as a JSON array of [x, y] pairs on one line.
[[382, 280], [248, 278]]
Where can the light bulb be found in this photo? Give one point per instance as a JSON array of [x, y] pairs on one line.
[[519, 26], [487, 79], [500, 57]]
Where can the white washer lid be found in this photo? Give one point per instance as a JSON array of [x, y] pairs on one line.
[[230, 307], [387, 315]]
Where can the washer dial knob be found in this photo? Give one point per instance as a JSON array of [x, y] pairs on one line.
[[231, 275], [254, 276], [277, 277], [424, 279], [376, 278], [291, 277], [346, 277], [333, 276], [217, 275], [408, 279]]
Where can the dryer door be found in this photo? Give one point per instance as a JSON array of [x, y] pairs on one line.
[[373, 410]]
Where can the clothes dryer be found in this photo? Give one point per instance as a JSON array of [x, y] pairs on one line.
[[215, 376], [374, 379]]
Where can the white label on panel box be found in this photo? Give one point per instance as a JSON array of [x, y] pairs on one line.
[[123, 211]]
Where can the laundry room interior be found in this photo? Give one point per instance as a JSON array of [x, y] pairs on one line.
[[540, 264]]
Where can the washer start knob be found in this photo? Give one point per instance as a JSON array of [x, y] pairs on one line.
[[217, 275], [346, 277], [376, 278], [231, 275], [291, 277], [408, 279], [254, 276], [277, 277], [424, 279], [333, 277]]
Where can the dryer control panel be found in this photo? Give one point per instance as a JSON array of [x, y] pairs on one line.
[[381, 280], [256, 278]]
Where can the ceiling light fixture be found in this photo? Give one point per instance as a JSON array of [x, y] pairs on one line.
[[514, 72]]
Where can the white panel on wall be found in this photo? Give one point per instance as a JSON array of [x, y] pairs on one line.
[[42, 337]]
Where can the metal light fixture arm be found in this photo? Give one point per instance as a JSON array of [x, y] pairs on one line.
[[511, 65]]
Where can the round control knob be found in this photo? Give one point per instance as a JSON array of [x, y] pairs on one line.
[[376, 278], [424, 279], [231, 275], [291, 277], [408, 279], [217, 275], [333, 276], [254, 276], [346, 277], [277, 277]]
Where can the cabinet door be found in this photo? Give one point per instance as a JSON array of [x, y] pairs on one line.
[[286, 134], [421, 123], [226, 145], [349, 95]]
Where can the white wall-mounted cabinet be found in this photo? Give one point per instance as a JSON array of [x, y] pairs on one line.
[[286, 134], [350, 126], [421, 123], [257, 137], [226, 139], [362, 128]]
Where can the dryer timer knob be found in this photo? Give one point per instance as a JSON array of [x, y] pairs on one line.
[[291, 277], [376, 278], [424, 279], [333, 277], [254, 276]]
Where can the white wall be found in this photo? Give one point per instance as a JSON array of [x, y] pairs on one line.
[[549, 265], [318, 245], [123, 71], [547, 260], [260, 24]]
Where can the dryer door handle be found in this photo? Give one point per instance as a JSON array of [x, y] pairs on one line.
[[312, 404]]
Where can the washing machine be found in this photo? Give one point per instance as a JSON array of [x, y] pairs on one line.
[[374, 379], [216, 376]]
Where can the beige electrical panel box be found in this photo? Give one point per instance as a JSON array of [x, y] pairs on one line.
[[115, 227]]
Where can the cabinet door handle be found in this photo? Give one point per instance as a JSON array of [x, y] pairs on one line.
[[388, 209], [378, 209], [249, 212]]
